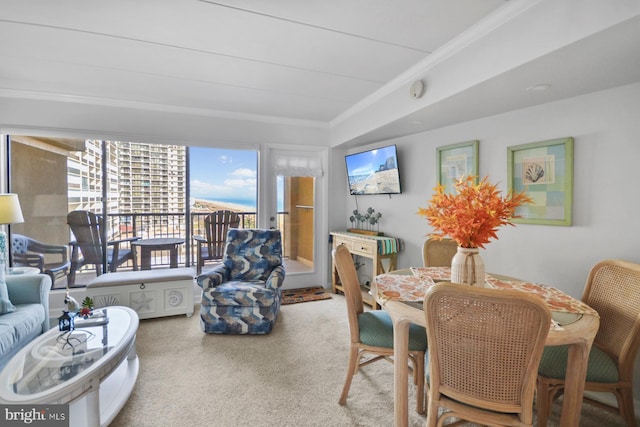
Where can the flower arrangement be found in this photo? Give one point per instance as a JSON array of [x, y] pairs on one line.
[[365, 221], [473, 214]]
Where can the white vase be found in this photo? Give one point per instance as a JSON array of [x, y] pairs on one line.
[[467, 267]]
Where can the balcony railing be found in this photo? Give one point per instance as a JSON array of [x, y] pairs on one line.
[[162, 225]]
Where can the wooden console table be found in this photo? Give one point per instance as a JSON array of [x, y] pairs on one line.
[[376, 248]]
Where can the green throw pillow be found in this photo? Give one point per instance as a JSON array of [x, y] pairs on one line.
[[5, 304]]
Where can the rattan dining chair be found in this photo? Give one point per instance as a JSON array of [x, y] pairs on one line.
[[438, 253], [484, 350], [372, 331], [613, 290]]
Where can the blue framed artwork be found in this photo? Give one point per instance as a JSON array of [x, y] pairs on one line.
[[456, 161], [544, 170]]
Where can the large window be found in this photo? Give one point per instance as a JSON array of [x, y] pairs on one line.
[[142, 189]]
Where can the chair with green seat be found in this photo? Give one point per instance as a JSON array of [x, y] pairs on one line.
[[484, 349], [613, 290], [372, 331]]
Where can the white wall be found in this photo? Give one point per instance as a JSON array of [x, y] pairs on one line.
[[606, 129]]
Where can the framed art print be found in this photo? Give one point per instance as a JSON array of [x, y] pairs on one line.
[[544, 170], [455, 161]]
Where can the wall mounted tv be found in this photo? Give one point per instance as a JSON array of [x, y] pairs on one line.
[[374, 171]]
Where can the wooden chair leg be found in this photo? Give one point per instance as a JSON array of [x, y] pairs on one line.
[[353, 364], [543, 401], [625, 403], [420, 394]]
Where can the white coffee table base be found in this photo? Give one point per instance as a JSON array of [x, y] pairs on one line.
[[103, 371], [112, 396]]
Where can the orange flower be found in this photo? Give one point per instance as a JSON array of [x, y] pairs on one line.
[[473, 214]]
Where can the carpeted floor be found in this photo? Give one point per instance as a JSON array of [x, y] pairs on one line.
[[294, 296], [291, 377]]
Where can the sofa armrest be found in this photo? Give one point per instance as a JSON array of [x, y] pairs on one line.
[[30, 289], [276, 278], [214, 277]]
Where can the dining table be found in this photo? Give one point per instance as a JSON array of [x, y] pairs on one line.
[[574, 324]]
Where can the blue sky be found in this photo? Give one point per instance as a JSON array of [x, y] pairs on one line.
[[369, 161], [223, 174]]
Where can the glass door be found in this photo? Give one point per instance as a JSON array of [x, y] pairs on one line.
[[295, 183]]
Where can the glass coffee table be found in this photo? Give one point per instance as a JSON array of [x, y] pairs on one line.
[[93, 368]]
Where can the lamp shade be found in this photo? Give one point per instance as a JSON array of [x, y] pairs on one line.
[[10, 211]]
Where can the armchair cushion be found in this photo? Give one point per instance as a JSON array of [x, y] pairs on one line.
[[252, 254], [234, 293]]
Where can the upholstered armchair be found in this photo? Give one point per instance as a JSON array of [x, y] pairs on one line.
[[243, 294]]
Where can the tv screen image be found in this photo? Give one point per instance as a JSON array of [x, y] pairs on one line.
[[374, 171]]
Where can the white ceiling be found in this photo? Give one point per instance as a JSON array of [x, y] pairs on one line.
[[308, 61]]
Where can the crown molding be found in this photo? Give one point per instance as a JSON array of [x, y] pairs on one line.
[[163, 108]]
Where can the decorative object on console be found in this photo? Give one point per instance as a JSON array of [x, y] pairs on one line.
[[365, 224], [10, 213], [471, 217]]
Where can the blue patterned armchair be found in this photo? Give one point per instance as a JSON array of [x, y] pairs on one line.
[[243, 294]]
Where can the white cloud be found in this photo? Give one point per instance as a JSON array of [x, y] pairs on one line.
[[241, 183], [244, 172]]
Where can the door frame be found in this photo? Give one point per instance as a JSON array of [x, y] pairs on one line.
[[267, 208]]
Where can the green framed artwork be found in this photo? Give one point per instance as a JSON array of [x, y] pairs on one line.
[[455, 161], [544, 170]]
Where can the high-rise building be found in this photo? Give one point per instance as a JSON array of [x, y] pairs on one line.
[[84, 177], [143, 178], [151, 178]]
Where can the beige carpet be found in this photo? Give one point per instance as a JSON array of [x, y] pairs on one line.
[[292, 377]]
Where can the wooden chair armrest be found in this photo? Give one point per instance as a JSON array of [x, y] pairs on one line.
[[62, 250], [30, 260], [117, 242]]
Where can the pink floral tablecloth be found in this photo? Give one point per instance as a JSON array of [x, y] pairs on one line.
[[390, 286]]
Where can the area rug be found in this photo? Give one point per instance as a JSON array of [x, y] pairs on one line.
[[293, 296]]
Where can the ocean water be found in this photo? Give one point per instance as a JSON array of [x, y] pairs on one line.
[[249, 203]]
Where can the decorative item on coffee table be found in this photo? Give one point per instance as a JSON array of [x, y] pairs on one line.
[[471, 216], [367, 223]]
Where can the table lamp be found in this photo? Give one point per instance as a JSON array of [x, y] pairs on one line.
[[10, 213]]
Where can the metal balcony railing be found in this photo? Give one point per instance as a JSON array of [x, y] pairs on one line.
[[159, 225]]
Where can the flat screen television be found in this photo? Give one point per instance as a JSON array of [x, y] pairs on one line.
[[374, 171]]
